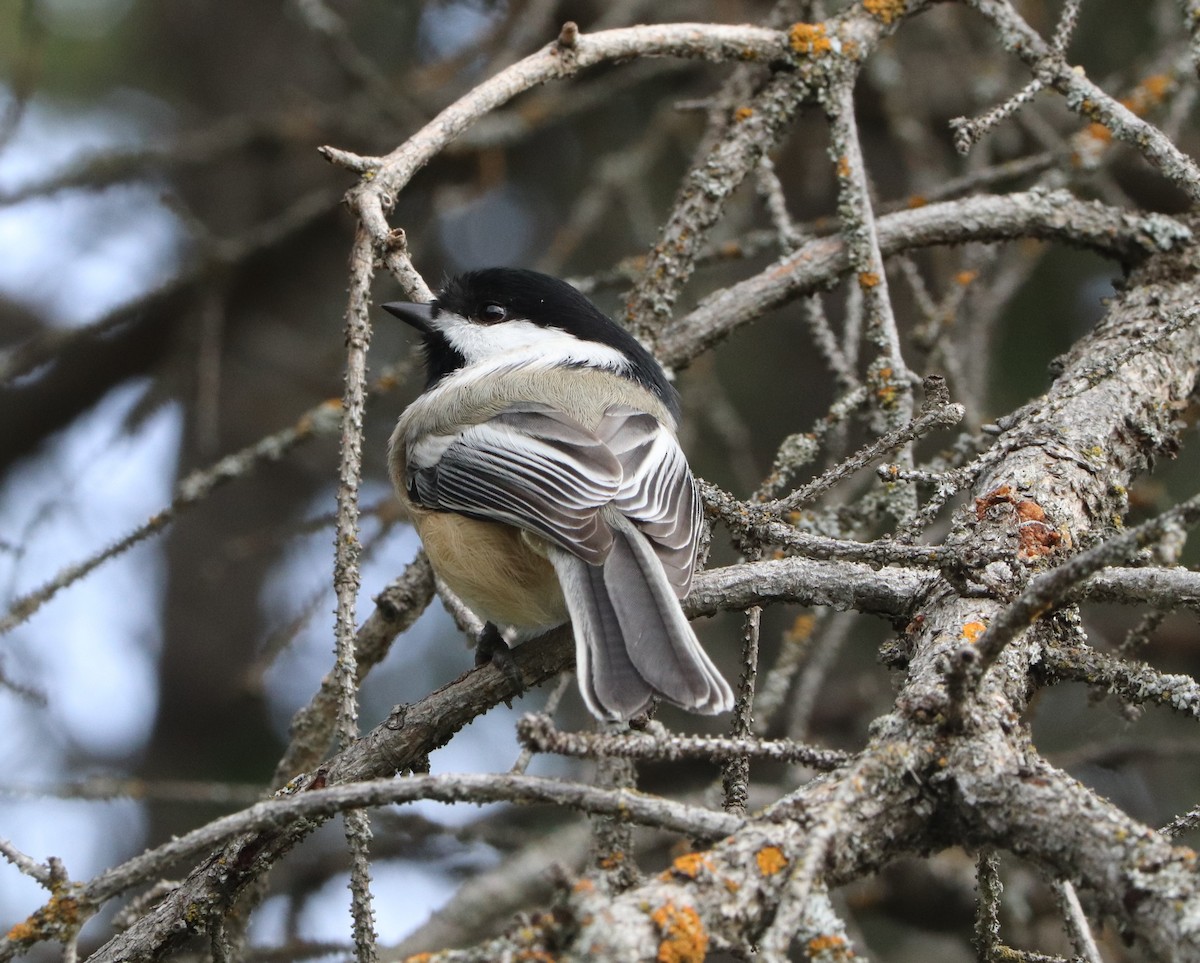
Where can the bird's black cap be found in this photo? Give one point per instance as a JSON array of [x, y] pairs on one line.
[[540, 299]]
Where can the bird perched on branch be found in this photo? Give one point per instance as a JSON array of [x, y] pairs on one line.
[[541, 469]]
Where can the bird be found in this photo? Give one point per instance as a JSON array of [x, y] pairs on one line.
[[541, 469]]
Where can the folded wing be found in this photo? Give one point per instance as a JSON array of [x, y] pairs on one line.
[[530, 466], [620, 510]]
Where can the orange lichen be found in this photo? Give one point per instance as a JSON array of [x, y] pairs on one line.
[[1035, 536], [917, 200], [973, 630], [885, 390], [1094, 138], [743, 113], [843, 167], [809, 38], [868, 279], [23, 932], [1148, 94], [612, 860], [584, 886], [885, 10], [999, 496], [58, 918], [1030, 511], [1036, 539], [690, 864], [831, 947], [770, 860], [965, 277], [684, 939], [802, 628]]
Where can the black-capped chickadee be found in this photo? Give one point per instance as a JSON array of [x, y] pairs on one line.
[[541, 470]]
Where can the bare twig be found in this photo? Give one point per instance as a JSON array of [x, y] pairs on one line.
[[346, 578], [539, 733]]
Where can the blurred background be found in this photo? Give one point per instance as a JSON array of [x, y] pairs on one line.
[[172, 283]]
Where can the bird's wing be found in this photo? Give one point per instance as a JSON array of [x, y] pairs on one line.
[[530, 466], [658, 493]]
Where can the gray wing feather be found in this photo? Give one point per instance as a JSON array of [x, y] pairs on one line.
[[658, 492], [530, 466]]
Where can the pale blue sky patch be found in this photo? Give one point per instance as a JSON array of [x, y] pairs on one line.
[[73, 255]]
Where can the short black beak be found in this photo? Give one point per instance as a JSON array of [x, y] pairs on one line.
[[420, 316]]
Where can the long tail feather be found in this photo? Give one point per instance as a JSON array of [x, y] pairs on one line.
[[631, 638]]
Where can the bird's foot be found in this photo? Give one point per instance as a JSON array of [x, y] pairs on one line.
[[491, 648]]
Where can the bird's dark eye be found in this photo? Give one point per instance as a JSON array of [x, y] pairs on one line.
[[493, 313]]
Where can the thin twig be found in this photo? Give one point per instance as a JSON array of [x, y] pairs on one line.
[[347, 578], [937, 413], [539, 733]]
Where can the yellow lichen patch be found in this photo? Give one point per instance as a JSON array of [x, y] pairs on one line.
[[743, 113], [973, 630], [885, 10], [612, 860], [58, 919], [843, 167], [809, 38], [868, 279], [684, 939], [690, 864], [829, 947], [770, 860]]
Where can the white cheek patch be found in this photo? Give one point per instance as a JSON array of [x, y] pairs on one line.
[[521, 342]]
